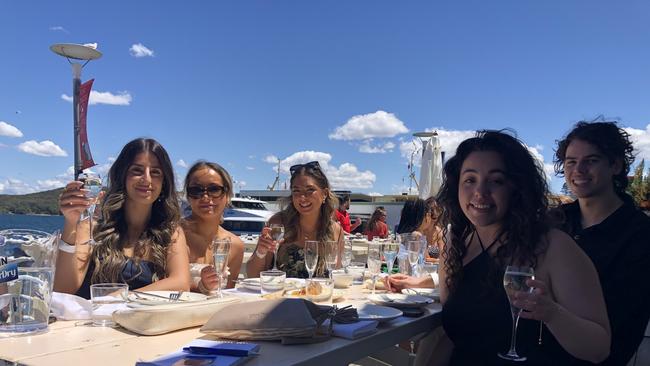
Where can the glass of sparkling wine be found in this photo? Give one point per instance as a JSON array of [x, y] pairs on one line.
[[374, 262], [390, 250], [514, 280], [413, 248], [311, 256], [93, 183], [220, 251], [331, 255], [346, 256], [277, 233]]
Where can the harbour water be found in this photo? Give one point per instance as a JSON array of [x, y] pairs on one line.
[[34, 222]]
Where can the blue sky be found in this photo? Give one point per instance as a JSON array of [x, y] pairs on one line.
[[345, 82]]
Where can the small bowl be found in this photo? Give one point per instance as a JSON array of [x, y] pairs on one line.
[[342, 279]]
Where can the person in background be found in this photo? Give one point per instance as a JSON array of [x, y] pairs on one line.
[[343, 216], [377, 225], [495, 199], [209, 189], [432, 230], [137, 240], [307, 216], [594, 159]]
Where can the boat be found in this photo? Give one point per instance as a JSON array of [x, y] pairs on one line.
[[246, 216]]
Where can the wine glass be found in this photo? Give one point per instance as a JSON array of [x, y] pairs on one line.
[[220, 252], [374, 262], [514, 280], [93, 183], [390, 250], [311, 256], [331, 255], [346, 257], [277, 233], [413, 249]]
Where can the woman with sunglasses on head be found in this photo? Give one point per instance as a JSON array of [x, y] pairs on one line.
[[495, 198], [137, 240], [209, 189], [308, 216]]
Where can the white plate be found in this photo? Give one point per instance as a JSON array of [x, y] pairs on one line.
[[143, 299], [253, 284], [400, 300], [377, 312], [433, 293]]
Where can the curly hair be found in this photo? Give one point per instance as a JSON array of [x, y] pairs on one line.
[[112, 229], [524, 225], [611, 140], [291, 217]]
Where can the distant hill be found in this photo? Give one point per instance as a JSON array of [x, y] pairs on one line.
[[41, 203]]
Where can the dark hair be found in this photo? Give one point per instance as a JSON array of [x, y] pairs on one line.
[[524, 224], [412, 215], [112, 229], [225, 177], [611, 140], [372, 223]]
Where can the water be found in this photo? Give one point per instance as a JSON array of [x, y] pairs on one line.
[[35, 222], [220, 260], [103, 309], [24, 303]]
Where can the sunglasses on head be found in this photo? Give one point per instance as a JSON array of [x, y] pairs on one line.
[[312, 164], [212, 190]]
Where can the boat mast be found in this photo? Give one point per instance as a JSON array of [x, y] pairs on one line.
[[277, 178]]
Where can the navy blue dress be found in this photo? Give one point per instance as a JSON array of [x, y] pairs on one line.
[[134, 275]]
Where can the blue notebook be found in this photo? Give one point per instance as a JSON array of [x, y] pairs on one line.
[[216, 353]]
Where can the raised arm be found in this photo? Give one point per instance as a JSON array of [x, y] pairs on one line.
[[571, 304], [262, 258]]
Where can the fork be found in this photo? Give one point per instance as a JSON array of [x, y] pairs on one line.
[[174, 296]]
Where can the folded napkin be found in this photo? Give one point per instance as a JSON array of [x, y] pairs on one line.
[[70, 307], [216, 353], [356, 330]]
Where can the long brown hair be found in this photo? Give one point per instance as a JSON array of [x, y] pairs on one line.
[[372, 223], [111, 232]]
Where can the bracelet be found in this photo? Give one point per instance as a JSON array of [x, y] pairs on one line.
[[66, 247]]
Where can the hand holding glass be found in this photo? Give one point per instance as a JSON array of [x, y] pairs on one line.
[[514, 280], [277, 233], [93, 183], [220, 252]]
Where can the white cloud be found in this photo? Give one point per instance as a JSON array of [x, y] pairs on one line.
[[641, 141], [272, 159], [121, 98], [375, 194], [181, 163], [250, 168], [58, 28], [379, 124], [367, 148], [43, 148], [139, 50], [345, 176], [548, 167], [16, 186], [9, 130]]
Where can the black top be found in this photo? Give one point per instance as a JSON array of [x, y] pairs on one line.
[[477, 319], [135, 276], [620, 249]]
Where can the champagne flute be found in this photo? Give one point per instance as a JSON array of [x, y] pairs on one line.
[[514, 280], [374, 262], [93, 183], [346, 257], [277, 233], [413, 248], [331, 255], [220, 252], [311, 256], [390, 250]]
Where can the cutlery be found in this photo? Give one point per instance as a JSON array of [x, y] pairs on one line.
[[153, 295], [175, 296]]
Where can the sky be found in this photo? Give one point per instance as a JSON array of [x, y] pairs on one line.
[[245, 83]]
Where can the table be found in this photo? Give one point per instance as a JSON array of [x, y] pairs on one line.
[[66, 343]]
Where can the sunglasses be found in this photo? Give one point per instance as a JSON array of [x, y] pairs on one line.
[[212, 190], [310, 165]]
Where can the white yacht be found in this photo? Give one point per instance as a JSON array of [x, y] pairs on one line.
[[246, 216]]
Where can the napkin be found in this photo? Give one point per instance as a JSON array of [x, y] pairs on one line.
[[70, 307], [203, 347], [356, 330]]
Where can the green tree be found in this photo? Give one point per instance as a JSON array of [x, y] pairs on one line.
[[638, 186]]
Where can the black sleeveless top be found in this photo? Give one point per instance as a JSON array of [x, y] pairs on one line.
[[134, 275], [477, 319]]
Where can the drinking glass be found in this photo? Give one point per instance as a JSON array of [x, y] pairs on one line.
[[374, 262], [390, 250], [514, 280], [331, 255], [311, 256], [220, 252], [105, 299], [93, 183], [277, 233], [346, 257], [413, 248], [272, 281]]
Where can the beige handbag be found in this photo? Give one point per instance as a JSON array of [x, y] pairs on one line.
[[160, 319], [289, 320]]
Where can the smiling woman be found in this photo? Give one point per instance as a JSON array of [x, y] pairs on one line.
[[137, 240]]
